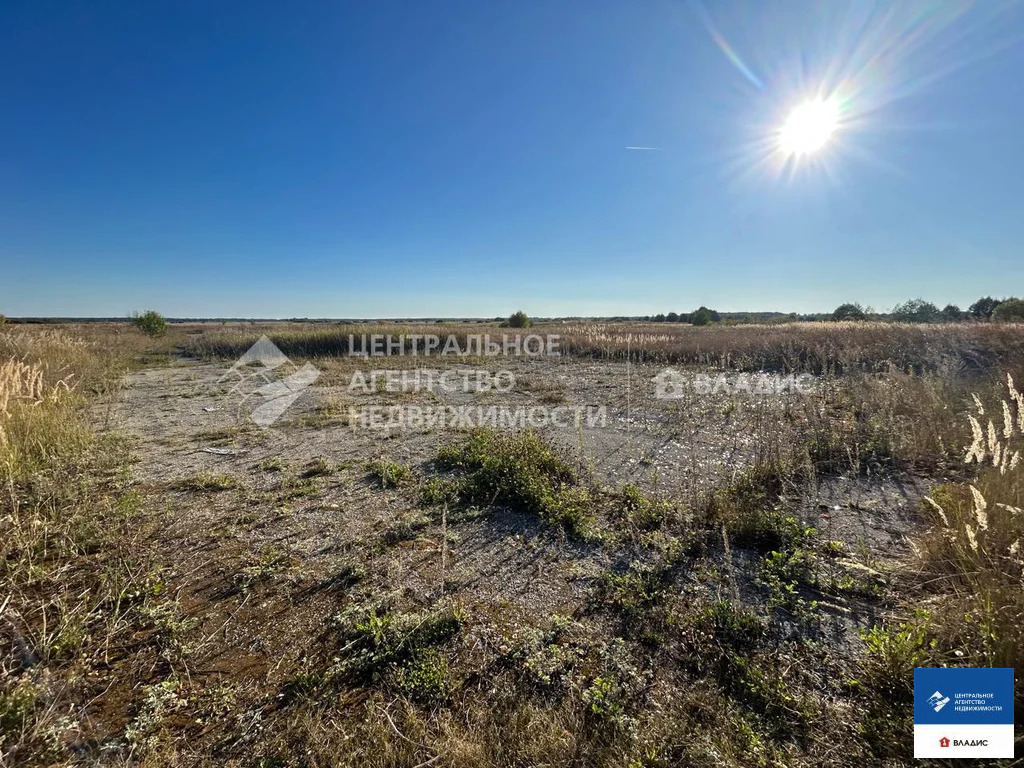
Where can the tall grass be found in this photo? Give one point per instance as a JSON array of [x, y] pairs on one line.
[[40, 408], [317, 341], [68, 563], [816, 348], [974, 553]]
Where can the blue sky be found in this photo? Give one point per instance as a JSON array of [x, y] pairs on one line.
[[469, 158]]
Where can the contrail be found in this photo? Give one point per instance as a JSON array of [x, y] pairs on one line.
[[646, 149]]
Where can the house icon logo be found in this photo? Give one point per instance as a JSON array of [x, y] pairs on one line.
[[943, 742], [670, 384]]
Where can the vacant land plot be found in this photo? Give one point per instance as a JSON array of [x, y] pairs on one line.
[[685, 567]]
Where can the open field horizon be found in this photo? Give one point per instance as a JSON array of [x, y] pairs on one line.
[[416, 556], [455, 384]]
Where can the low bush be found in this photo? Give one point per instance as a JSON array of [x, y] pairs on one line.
[[523, 472], [150, 322]]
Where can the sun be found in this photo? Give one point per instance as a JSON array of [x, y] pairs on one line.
[[809, 127]]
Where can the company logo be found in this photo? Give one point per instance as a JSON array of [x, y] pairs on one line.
[[257, 374], [671, 384], [938, 701], [963, 712]]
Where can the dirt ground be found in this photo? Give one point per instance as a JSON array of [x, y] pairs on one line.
[[186, 423]]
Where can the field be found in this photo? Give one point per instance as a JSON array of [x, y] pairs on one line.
[[727, 573]]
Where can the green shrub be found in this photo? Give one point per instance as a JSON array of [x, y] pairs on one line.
[[388, 473], [519, 320], [150, 322], [636, 590], [523, 472], [403, 650], [439, 490]]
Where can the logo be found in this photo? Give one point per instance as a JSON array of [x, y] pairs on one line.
[[256, 373], [671, 384], [938, 701], [974, 705]]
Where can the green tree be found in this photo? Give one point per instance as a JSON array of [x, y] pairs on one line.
[[952, 313], [982, 309], [519, 319], [849, 312], [1009, 311], [703, 316], [150, 322], [672, 317], [916, 311]]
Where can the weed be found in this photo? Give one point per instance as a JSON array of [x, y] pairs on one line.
[[439, 490], [388, 473], [273, 464], [639, 511], [523, 472], [404, 529], [206, 481], [404, 652], [262, 568], [318, 467]]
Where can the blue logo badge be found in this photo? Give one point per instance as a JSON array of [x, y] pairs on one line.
[[963, 696]]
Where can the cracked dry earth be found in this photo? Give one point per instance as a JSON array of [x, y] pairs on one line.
[[260, 561]]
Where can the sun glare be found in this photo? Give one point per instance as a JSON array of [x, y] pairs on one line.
[[809, 127]]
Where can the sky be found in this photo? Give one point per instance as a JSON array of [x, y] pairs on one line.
[[466, 158]]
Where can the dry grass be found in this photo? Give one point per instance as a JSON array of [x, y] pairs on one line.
[[664, 663], [816, 348], [974, 554], [71, 581]]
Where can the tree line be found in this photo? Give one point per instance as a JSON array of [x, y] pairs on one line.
[[700, 316], [985, 309]]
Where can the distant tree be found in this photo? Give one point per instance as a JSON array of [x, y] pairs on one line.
[[849, 312], [659, 318], [519, 319], [150, 322], [952, 313], [1009, 311], [703, 316], [672, 317], [983, 308], [916, 311]]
